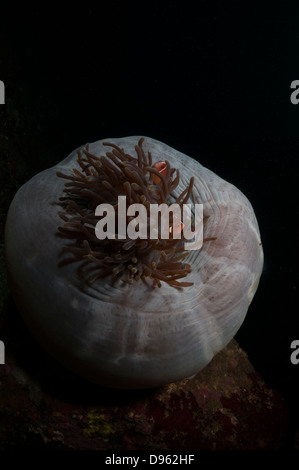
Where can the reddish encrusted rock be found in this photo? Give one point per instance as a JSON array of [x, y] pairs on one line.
[[225, 406]]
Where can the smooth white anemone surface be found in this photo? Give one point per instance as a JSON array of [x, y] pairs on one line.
[[134, 336]]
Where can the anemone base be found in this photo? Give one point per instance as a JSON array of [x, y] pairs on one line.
[[226, 406]]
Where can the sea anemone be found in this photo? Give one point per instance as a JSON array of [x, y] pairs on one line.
[[123, 312]]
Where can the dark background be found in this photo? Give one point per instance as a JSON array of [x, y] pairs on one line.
[[210, 80]]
